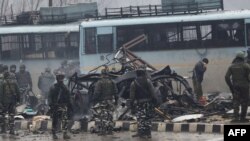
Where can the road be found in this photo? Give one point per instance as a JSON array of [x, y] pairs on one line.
[[120, 136]]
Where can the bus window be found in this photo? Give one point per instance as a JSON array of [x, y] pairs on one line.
[[104, 39], [90, 40], [31, 49], [229, 33], [189, 33], [128, 33], [105, 43], [10, 47], [39, 46]]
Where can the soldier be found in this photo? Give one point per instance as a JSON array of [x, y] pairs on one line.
[[105, 88], [105, 93], [45, 81], [198, 73], [23, 77], [24, 80], [13, 69], [59, 102], [63, 68], [10, 96], [237, 78], [142, 95]]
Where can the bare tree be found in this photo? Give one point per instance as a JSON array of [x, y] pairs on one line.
[[5, 7], [24, 4], [61, 2], [37, 4], [2, 6]]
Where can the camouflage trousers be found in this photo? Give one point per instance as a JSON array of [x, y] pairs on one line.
[[105, 116], [144, 114], [10, 109], [60, 114], [240, 98], [197, 89]]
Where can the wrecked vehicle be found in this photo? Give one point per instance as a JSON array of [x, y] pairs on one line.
[[173, 91]]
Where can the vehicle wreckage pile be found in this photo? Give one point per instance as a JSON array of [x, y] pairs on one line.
[[174, 93]]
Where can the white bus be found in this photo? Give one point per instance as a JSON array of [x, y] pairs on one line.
[[176, 40]]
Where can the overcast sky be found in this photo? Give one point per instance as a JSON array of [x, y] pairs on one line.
[[19, 5]]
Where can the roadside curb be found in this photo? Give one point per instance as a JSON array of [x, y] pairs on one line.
[[127, 126]]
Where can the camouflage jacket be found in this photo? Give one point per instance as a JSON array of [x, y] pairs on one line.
[[238, 74], [9, 90], [105, 89]]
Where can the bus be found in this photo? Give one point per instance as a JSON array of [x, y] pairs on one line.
[[176, 40], [39, 46]]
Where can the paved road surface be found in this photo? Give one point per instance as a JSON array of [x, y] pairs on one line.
[[121, 136]]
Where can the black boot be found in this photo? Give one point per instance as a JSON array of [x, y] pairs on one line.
[[66, 136], [12, 132], [54, 136]]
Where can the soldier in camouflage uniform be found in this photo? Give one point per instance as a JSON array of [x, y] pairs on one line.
[[142, 95], [105, 95], [10, 96], [237, 78], [59, 102]]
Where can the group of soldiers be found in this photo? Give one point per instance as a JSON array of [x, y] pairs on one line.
[[54, 94], [10, 96], [141, 101]]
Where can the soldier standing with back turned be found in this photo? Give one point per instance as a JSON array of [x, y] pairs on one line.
[[238, 78], [142, 97], [105, 93]]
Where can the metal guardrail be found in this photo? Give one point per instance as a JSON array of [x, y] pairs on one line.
[[171, 9]]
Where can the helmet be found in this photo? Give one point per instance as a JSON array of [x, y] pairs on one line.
[[60, 73], [205, 60], [22, 66], [240, 54], [5, 68], [47, 69], [140, 72], [13, 66]]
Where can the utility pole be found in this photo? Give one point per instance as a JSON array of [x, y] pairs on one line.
[[50, 3]]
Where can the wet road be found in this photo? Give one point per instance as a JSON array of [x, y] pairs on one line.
[[121, 136]]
